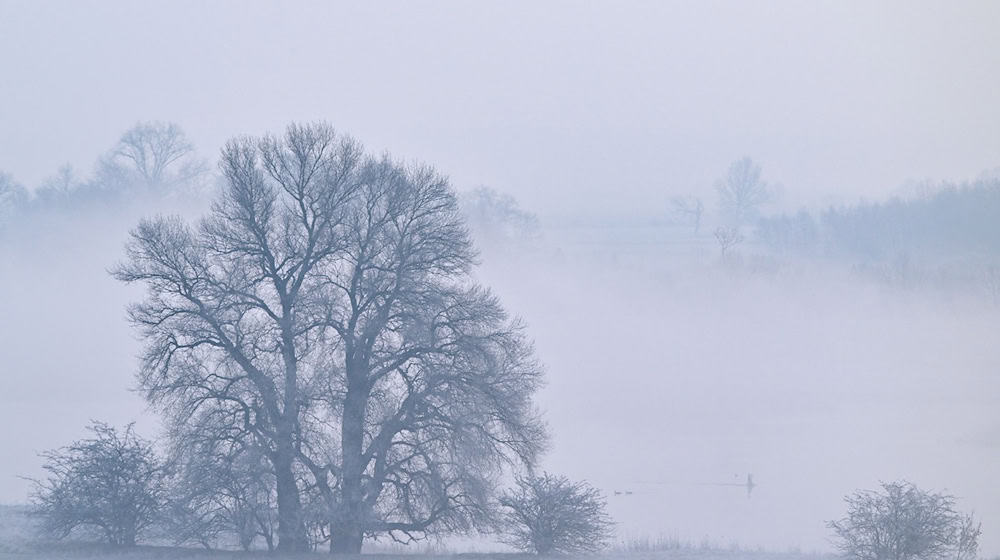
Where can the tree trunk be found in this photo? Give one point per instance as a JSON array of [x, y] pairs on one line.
[[291, 529], [129, 538], [347, 530], [346, 537]]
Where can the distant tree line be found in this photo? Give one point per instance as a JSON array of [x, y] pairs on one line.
[[953, 220], [946, 222], [151, 159], [155, 161]]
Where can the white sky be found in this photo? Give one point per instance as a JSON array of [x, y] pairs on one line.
[[570, 106]]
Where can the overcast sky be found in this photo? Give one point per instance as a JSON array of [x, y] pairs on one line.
[[570, 106]]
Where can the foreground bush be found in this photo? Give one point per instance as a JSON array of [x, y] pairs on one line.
[[549, 514], [903, 522], [109, 485]]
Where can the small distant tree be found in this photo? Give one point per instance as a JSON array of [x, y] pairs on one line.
[[550, 514], [689, 210], [742, 192], [109, 484], [903, 522], [497, 218], [151, 155], [728, 237], [13, 197]]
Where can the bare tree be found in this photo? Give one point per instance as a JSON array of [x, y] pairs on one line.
[[110, 483], [903, 522], [742, 192], [967, 539], [152, 155], [231, 321], [438, 380], [495, 217], [550, 514], [728, 237], [689, 210], [58, 187], [221, 488], [325, 312], [13, 197]]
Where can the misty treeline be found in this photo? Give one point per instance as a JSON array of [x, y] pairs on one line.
[[952, 219], [151, 158], [942, 221], [948, 234], [154, 162], [947, 239]]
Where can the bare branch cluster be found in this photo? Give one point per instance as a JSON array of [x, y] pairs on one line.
[[728, 238], [219, 490], [110, 484], [903, 522], [549, 514]]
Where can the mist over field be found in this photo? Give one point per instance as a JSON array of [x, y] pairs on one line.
[[667, 372], [839, 331], [680, 375]]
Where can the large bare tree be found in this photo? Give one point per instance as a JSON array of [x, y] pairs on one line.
[[324, 312]]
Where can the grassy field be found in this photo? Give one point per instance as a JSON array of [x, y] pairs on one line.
[[20, 540]]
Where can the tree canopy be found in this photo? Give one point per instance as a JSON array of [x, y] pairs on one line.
[[324, 313]]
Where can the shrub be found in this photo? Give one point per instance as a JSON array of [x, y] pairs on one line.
[[110, 484], [903, 522], [550, 514]]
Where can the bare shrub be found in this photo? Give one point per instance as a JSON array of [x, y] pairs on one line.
[[110, 484], [903, 522], [550, 514]]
